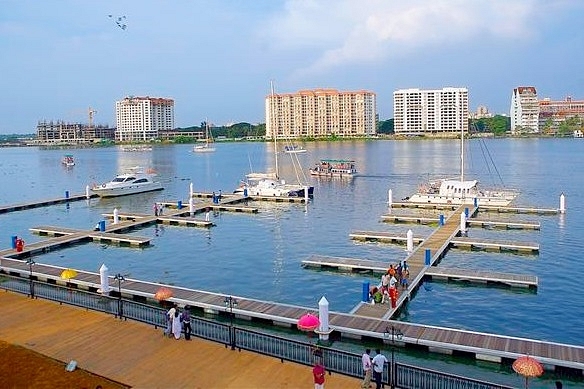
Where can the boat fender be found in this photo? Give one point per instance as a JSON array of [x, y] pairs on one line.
[[103, 185]]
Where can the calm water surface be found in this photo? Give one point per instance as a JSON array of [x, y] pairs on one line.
[[259, 255]]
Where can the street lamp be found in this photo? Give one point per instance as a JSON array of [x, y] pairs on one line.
[[120, 278], [231, 302], [30, 264], [393, 332]]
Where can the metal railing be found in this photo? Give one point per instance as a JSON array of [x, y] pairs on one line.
[[336, 361]]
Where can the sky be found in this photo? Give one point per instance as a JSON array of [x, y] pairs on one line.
[[217, 58]]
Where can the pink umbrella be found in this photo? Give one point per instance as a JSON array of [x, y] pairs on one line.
[[308, 323]]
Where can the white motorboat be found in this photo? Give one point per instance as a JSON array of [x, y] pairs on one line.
[[133, 182], [68, 160], [294, 149], [461, 191]]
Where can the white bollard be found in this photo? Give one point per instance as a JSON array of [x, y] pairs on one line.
[[389, 198], [104, 279], [87, 195], [208, 216], [192, 206], [323, 316], [191, 191], [562, 203], [116, 216], [306, 195], [463, 223], [410, 242]]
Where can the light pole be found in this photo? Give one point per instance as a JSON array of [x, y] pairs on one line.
[[231, 302], [120, 278], [393, 332], [30, 264]]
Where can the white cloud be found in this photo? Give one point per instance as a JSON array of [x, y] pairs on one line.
[[349, 31]]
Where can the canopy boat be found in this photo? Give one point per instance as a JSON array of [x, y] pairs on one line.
[[294, 149], [270, 184], [132, 182], [68, 160], [207, 147], [334, 168], [461, 191], [137, 148]]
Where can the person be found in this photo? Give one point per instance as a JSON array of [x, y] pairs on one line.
[[318, 372], [379, 362], [155, 208], [186, 321], [160, 209], [169, 316], [176, 324], [366, 359]]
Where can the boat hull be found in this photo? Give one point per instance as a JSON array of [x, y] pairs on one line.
[[115, 191], [496, 201]]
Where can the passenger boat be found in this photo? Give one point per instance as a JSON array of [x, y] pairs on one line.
[[294, 149], [136, 181], [68, 160], [461, 191], [334, 168]]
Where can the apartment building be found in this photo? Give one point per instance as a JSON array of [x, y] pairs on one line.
[[430, 111], [524, 110], [554, 112], [320, 113], [141, 118]]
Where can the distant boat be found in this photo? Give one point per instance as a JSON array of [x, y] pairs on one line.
[[294, 149], [136, 148], [578, 134], [342, 168], [68, 160], [135, 181], [207, 147]]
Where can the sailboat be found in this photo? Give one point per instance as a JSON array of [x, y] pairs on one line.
[[207, 147], [270, 184], [461, 191]]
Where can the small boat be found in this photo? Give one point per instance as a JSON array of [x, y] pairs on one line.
[[294, 149], [68, 160], [136, 181], [268, 185], [207, 147], [136, 148], [342, 168]]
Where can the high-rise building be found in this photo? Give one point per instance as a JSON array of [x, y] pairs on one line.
[[140, 118], [524, 110], [320, 113], [430, 111]]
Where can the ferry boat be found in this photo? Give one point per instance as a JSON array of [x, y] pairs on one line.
[[136, 181], [68, 160], [334, 168]]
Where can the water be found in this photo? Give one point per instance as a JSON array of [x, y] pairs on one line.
[[259, 255]]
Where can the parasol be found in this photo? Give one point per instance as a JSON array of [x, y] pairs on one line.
[[308, 322], [528, 367], [163, 293], [67, 274]]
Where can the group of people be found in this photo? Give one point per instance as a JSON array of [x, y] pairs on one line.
[[176, 321], [373, 367], [158, 209], [396, 276]]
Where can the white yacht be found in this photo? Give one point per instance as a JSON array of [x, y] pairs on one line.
[[136, 181]]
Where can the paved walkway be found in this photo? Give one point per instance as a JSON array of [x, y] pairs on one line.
[[138, 355]]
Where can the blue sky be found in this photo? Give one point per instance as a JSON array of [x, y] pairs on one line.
[[216, 58]]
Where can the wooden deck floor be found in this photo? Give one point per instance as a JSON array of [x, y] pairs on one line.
[[138, 355]]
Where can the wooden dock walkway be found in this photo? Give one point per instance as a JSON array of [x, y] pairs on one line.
[[484, 346], [481, 208], [472, 222], [146, 359], [43, 203]]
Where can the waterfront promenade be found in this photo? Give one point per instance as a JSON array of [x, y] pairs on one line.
[[138, 355]]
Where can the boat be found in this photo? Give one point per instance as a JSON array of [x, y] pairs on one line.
[[207, 147], [136, 148], [270, 184], [135, 181], [68, 160], [578, 134], [459, 191], [294, 149], [342, 168]]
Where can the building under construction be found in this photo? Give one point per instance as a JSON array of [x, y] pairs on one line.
[[64, 132]]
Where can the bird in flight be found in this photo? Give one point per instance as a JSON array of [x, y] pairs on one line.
[[120, 21]]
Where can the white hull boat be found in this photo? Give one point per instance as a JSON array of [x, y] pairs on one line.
[[127, 184]]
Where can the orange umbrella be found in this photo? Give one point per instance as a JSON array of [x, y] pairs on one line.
[[528, 367], [163, 294]]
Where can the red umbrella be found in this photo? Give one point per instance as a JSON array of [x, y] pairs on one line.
[[528, 367], [308, 322], [163, 293]]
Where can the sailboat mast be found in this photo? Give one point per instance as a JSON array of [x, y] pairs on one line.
[[274, 126], [462, 154]]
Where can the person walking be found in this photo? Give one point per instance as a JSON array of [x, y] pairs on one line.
[[176, 324], [169, 316], [366, 359], [379, 362], [318, 372], [186, 321], [155, 209]]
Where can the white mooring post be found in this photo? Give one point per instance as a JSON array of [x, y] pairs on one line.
[[116, 216], [191, 190], [410, 242], [323, 316], [104, 279], [389, 200], [192, 206], [562, 203], [87, 195], [305, 195], [463, 223]]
